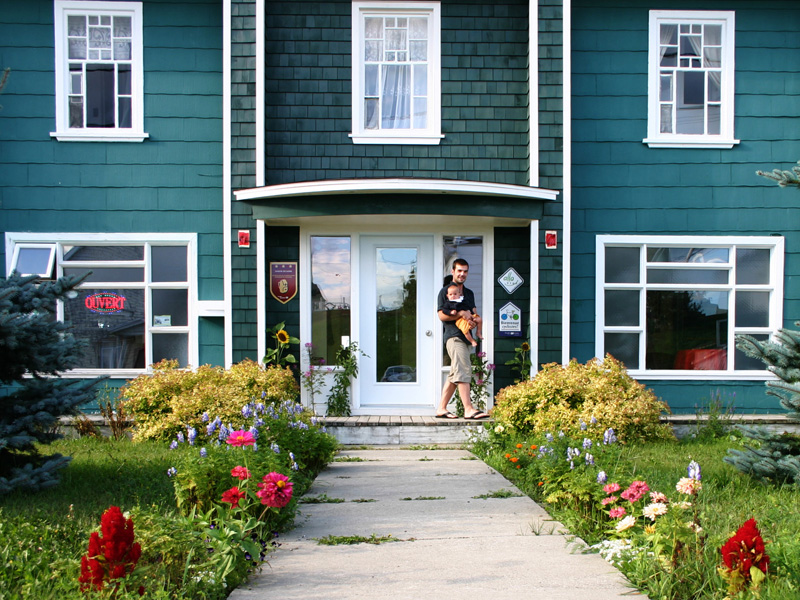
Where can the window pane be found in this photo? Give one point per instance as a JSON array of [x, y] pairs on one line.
[[688, 276], [170, 308], [752, 266], [669, 34], [77, 49], [712, 57], [371, 81], [124, 80], [713, 119], [122, 27], [100, 97], [622, 308], [396, 314], [171, 346], [76, 26], [742, 362], [330, 294], [125, 112], [714, 80], [622, 265], [34, 261], [420, 80], [370, 113], [100, 37], [76, 111], [418, 27], [687, 255], [373, 28], [752, 309], [168, 263], [666, 88], [712, 35], [103, 253], [691, 100], [687, 330], [690, 45], [623, 347], [420, 113], [419, 50], [666, 118], [396, 97], [108, 274], [112, 324], [373, 50]]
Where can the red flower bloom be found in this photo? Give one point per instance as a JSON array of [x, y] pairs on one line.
[[112, 553], [275, 490], [241, 438], [635, 491], [240, 473], [745, 549], [232, 496]]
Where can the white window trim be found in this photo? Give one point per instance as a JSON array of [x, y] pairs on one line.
[[725, 139], [63, 132], [433, 134], [12, 266], [15, 239], [775, 243]]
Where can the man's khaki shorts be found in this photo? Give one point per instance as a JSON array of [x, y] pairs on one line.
[[460, 365]]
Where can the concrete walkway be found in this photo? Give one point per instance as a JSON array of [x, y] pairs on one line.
[[451, 545]]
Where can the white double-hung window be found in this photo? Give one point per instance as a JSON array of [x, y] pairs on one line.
[[691, 79], [670, 306], [396, 73], [98, 68]]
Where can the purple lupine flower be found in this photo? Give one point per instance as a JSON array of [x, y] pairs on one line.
[[587, 443], [609, 437], [602, 477], [173, 445], [205, 417], [203, 453], [172, 471], [694, 471], [589, 459], [191, 435], [181, 437]]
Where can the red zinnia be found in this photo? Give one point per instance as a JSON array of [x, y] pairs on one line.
[[232, 496], [745, 549], [240, 473], [275, 490], [241, 438]]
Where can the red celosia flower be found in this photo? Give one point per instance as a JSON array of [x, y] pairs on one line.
[[112, 553], [240, 473], [745, 549], [275, 490], [241, 438], [232, 496]]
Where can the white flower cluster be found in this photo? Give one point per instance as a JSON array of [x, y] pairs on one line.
[[616, 551]]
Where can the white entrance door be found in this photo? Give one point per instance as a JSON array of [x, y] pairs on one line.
[[397, 316]]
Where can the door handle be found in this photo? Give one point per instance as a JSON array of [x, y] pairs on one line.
[[428, 332]]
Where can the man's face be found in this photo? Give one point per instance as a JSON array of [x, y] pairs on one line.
[[460, 273]]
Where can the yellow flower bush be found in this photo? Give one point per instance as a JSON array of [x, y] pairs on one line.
[[601, 393], [172, 399]]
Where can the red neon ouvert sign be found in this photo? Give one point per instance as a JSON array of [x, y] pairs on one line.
[[105, 302]]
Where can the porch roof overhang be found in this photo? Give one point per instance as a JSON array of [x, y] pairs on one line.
[[348, 197]]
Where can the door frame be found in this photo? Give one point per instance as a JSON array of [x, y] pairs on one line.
[[438, 227]]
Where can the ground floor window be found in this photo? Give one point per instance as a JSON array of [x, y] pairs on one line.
[[330, 295], [676, 303], [133, 309]]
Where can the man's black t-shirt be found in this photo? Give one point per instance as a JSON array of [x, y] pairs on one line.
[[450, 328]]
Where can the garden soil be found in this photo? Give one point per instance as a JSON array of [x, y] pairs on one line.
[[448, 541]]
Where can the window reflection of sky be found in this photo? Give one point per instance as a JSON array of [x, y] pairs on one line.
[[395, 267], [330, 268]]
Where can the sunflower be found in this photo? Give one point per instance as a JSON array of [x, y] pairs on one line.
[[525, 347], [282, 336]]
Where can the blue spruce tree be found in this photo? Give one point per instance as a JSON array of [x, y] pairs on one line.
[[34, 349]]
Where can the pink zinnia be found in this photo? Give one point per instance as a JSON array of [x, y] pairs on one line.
[[609, 500], [240, 473], [241, 438], [275, 490], [616, 512], [659, 497], [232, 496], [611, 488], [688, 486], [635, 491]]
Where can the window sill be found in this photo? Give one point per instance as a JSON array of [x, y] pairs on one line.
[[427, 140], [97, 136], [688, 142], [701, 375]]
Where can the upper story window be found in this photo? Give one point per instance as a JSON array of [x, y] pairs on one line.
[[691, 79], [98, 63], [396, 73], [670, 306]]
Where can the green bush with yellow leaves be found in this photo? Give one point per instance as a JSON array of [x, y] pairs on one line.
[[567, 398], [172, 399]]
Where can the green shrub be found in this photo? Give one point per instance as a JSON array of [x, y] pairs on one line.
[[171, 399], [560, 398]]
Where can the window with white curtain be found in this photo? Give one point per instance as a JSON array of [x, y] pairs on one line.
[[691, 79], [98, 60], [396, 73], [672, 306]]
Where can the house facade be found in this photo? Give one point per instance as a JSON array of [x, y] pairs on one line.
[[225, 166]]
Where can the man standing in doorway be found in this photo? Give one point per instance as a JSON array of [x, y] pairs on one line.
[[457, 346]]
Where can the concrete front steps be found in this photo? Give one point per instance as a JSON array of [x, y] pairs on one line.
[[402, 430]]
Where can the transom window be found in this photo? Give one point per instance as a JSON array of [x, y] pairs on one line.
[[98, 70], [691, 78], [396, 73], [671, 305], [134, 307]]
